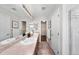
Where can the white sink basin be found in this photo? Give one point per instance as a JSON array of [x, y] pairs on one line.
[[28, 41], [7, 41]]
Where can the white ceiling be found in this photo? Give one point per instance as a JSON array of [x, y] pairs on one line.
[[18, 12], [35, 9]]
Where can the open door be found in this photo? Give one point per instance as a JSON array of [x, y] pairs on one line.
[[23, 29], [43, 31]]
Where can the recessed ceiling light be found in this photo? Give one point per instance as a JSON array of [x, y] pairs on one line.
[[14, 9], [43, 8]]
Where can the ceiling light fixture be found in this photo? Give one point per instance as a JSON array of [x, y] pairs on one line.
[[14, 9], [43, 8], [26, 10]]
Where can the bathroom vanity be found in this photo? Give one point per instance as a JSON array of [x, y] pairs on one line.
[[9, 42], [28, 46]]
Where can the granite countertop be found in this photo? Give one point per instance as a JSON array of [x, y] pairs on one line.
[[22, 48]]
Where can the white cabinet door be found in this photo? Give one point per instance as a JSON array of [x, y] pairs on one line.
[[55, 33], [75, 31]]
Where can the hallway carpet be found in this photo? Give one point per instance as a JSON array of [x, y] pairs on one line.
[[44, 49]]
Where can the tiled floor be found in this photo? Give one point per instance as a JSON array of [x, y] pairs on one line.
[[44, 49]]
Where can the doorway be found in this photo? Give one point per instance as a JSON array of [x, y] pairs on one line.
[[43, 31], [23, 29]]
